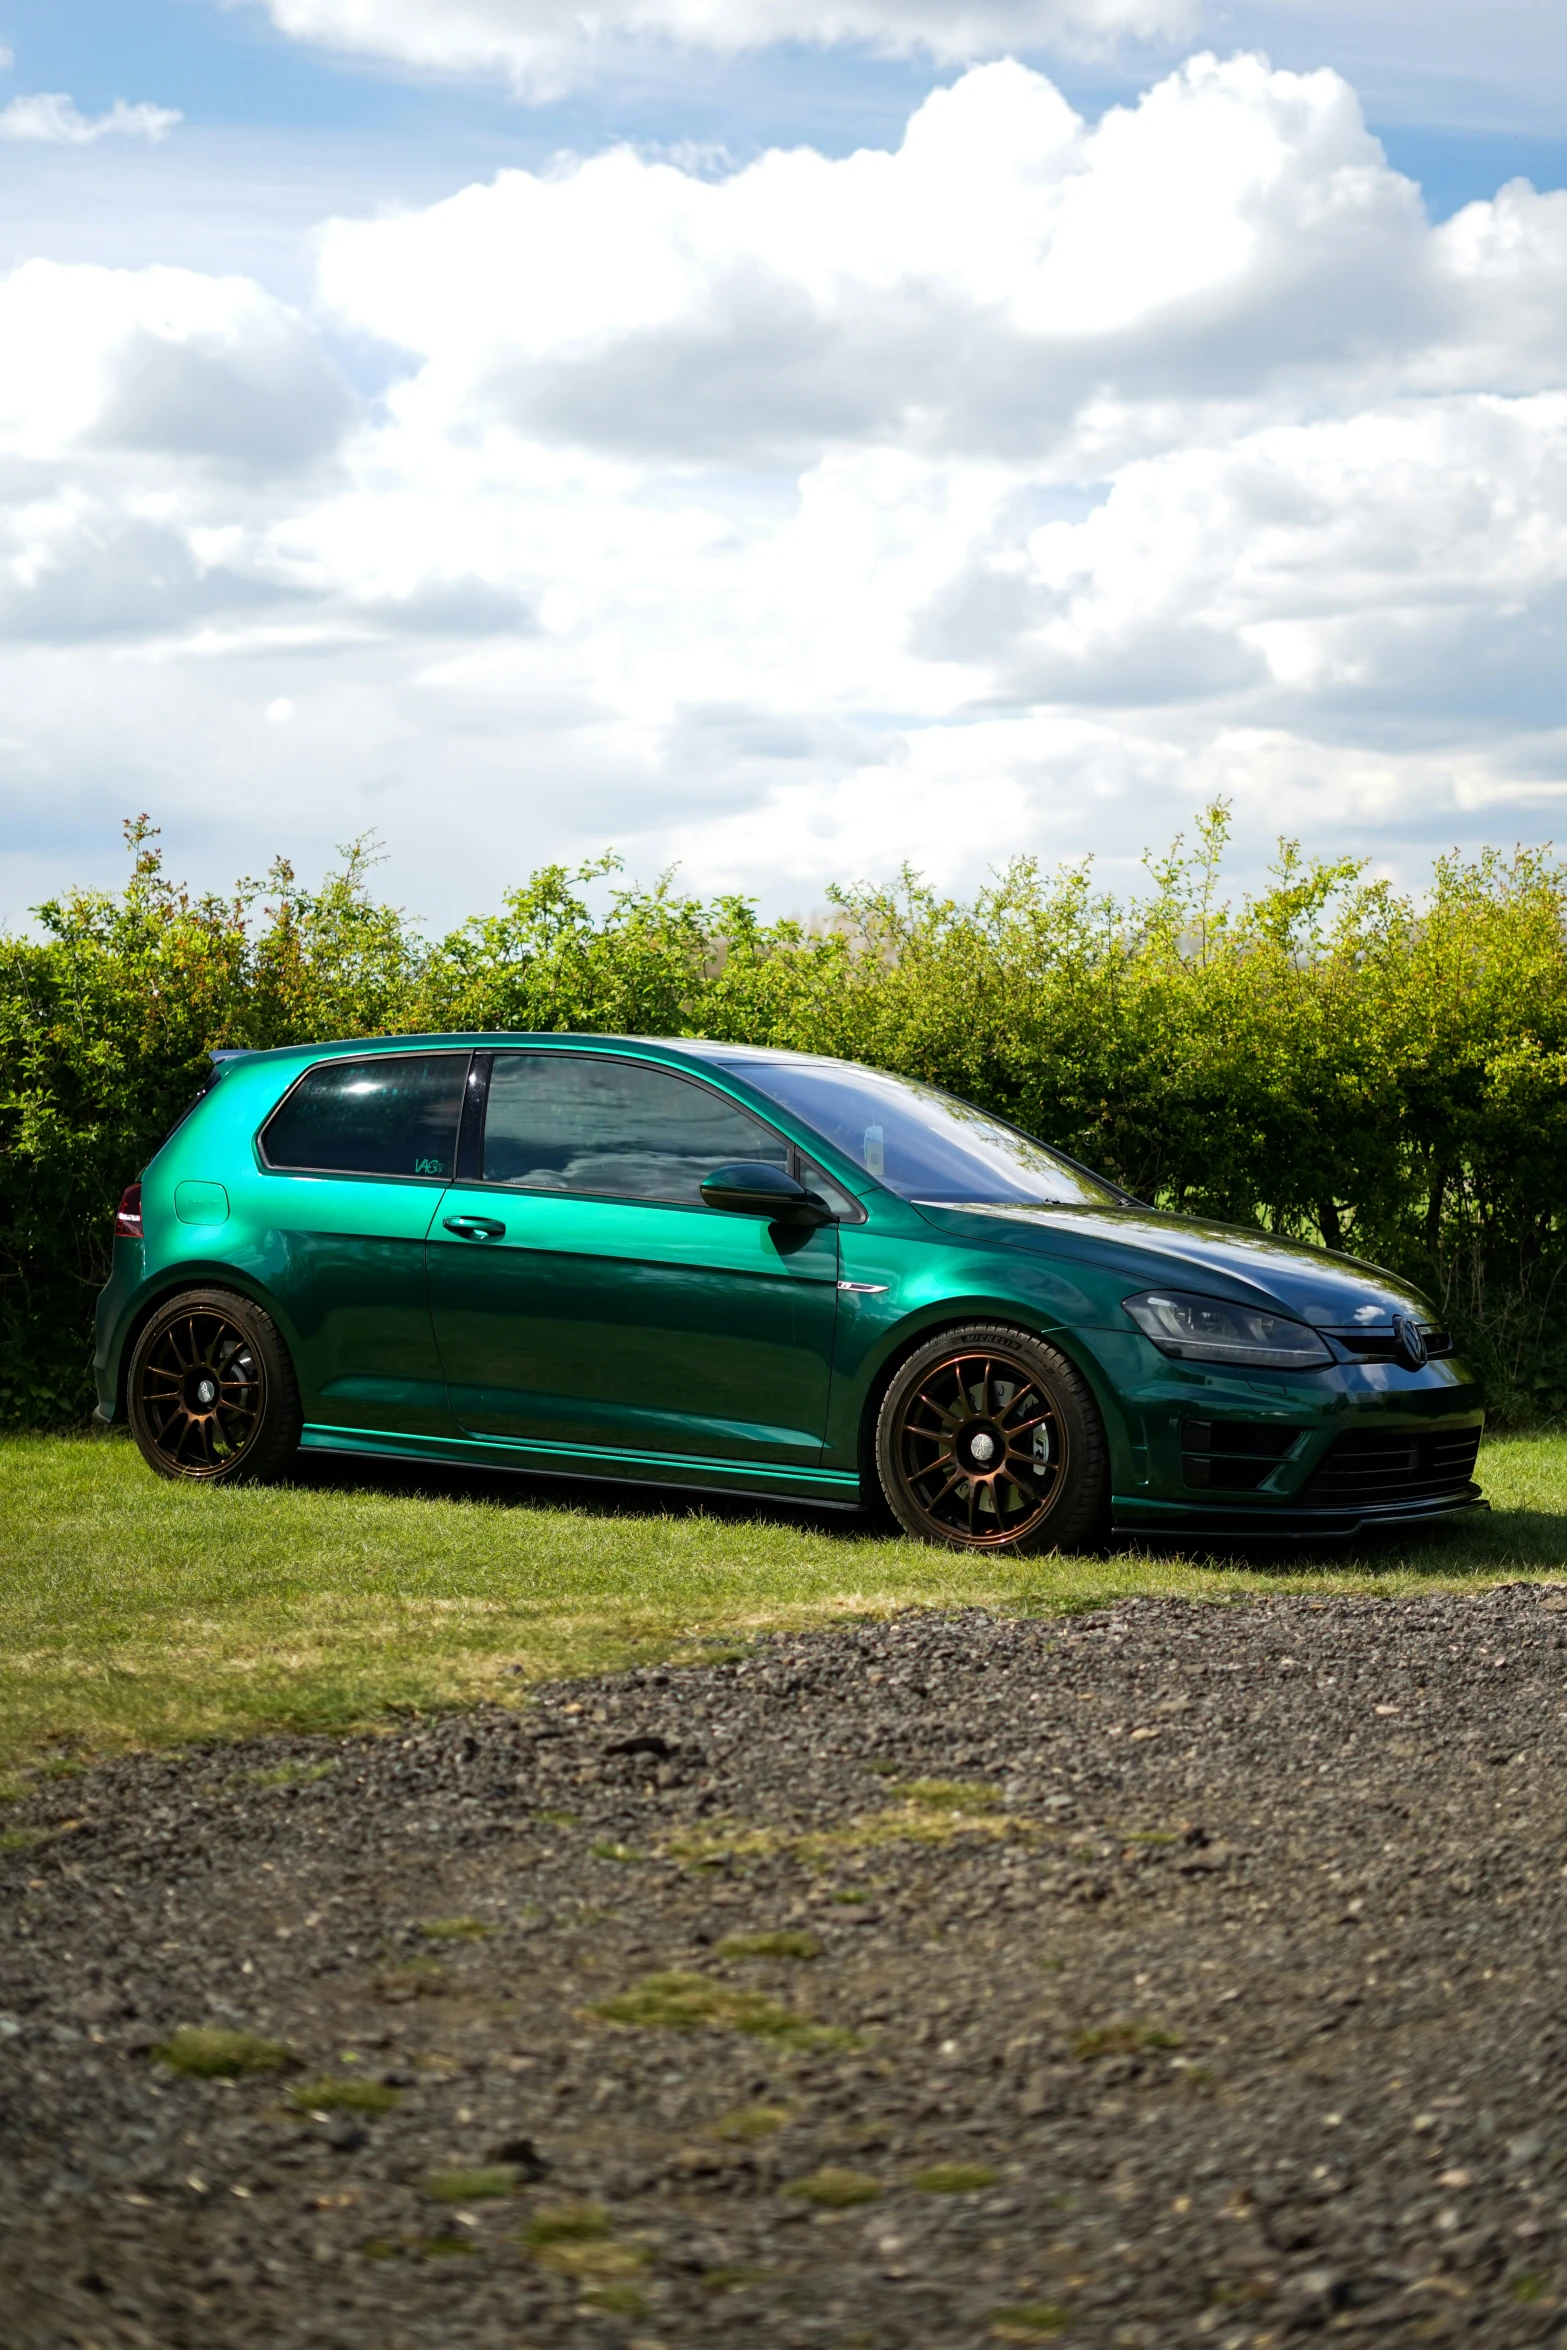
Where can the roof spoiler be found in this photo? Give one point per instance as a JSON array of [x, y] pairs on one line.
[[229, 1052]]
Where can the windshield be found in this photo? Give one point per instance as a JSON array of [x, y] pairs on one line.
[[922, 1143]]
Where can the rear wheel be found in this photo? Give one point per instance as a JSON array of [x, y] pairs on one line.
[[988, 1439], [211, 1392]]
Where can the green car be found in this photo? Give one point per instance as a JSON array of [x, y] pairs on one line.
[[716, 1266]]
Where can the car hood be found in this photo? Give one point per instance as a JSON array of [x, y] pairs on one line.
[[1151, 1249]]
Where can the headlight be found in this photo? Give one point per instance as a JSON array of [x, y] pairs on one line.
[[1207, 1330]]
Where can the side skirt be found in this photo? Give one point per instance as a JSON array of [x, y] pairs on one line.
[[825, 1488]]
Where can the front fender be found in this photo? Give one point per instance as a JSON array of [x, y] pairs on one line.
[[912, 1292]]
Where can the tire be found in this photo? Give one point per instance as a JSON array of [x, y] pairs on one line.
[[211, 1393], [988, 1439]]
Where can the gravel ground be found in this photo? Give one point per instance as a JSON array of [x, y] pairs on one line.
[[1183, 1974]]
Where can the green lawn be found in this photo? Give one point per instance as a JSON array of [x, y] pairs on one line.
[[133, 1612]]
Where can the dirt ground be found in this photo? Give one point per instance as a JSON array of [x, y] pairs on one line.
[[1182, 1975]]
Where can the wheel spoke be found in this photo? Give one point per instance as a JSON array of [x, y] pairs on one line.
[[945, 1417]]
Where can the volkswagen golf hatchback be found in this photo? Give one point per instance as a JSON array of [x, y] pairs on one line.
[[709, 1265]]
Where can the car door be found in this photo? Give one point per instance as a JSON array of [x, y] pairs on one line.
[[585, 1296], [354, 1162]]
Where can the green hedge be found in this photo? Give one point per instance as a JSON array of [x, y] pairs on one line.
[[1329, 1059]]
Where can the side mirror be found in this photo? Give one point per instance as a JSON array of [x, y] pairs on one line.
[[752, 1188]]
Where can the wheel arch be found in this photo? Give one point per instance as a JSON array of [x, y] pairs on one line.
[[169, 1283], [954, 1314]]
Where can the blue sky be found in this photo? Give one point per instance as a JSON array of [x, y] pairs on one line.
[[759, 554]]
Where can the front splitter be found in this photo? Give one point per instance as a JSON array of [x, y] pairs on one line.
[[1130, 1514]]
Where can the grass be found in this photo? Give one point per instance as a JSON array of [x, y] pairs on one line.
[[137, 1613]]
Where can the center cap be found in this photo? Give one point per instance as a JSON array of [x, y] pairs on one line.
[[205, 1391], [982, 1447]]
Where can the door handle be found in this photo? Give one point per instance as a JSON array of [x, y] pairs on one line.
[[475, 1227]]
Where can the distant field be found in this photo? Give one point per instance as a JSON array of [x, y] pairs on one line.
[[135, 1612]]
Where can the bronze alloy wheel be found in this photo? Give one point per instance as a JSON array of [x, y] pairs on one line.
[[989, 1440], [211, 1391]]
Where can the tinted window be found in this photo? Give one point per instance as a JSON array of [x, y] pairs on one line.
[[920, 1142], [395, 1115], [614, 1129]]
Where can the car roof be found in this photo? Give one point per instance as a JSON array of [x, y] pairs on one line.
[[705, 1048]]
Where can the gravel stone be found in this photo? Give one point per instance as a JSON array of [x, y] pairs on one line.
[[1220, 1946]]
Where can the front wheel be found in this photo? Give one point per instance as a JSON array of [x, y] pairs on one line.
[[211, 1392], [988, 1439]]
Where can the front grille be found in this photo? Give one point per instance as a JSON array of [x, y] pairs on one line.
[[1233, 1456], [1376, 1464], [1378, 1346]]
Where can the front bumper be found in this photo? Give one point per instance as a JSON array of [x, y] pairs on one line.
[[1324, 1455]]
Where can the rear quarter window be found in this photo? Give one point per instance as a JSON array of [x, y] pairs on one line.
[[395, 1114]]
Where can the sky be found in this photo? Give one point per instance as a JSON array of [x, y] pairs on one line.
[[777, 439]]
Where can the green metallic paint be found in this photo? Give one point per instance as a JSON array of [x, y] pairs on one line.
[[622, 1323], [693, 1347]]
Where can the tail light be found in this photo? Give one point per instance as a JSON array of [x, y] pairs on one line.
[[127, 1217]]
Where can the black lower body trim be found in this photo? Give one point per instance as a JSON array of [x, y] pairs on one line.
[[1287, 1524]]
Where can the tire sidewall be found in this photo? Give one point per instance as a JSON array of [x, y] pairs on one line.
[[1078, 1509]]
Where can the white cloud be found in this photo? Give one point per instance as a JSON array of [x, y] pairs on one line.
[[162, 363], [1005, 492], [52, 119], [544, 46]]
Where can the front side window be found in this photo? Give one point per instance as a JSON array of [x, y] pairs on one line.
[[395, 1114], [922, 1143], [613, 1129]]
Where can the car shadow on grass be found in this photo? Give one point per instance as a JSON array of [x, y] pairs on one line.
[[1527, 1543], [1521, 1544], [518, 1489]]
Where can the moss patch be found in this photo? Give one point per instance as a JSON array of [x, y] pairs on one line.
[[836, 2189], [950, 1794], [786, 1944], [342, 2095], [470, 2186], [743, 2124], [955, 2178], [689, 2003], [203, 2052], [913, 1821], [295, 1774], [1122, 2038], [566, 2223], [1028, 2321]]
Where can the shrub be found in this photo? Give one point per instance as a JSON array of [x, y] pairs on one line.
[[1329, 1060]]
